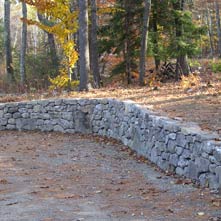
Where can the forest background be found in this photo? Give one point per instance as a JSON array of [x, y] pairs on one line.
[[120, 38]]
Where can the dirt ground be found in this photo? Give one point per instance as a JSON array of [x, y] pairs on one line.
[[54, 177]]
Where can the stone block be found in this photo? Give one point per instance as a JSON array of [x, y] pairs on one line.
[[203, 164], [217, 154], [173, 160]]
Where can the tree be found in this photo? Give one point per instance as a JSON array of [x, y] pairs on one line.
[[120, 36], [51, 43], [84, 60], [93, 45], [7, 37], [23, 45], [144, 40], [218, 26]]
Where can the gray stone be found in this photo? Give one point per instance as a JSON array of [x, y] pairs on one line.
[[203, 179], [3, 121], [11, 121], [67, 116], [16, 115], [213, 182], [1, 113], [180, 171], [212, 168], [171, 146], [12, 109], [183, 162], [218, 174], [25, 115], [10, 127], [203, 164], [173, 160], [25, 124], [37, 108], [192, 171], [58, 128], [179, 150], [186, 154], [8, 115], [217, 154], [181, 140]]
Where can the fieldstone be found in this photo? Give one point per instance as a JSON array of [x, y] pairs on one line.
[[171, 146], [218, 174], [203, 164], [186, 154], [181, 140], [37, 108], [25, 115], [11, 121], [8, 115], [173, 160], [203, 179], [154, 157], [1, 113], [179, 150], [213, 160], [25, 124], [3, 122], [213, 181], [180, 171], [16, 115], [67, 116], [217, 154], [58, 128], [165, 156], [212, 168], [10, 127], [183, 162]]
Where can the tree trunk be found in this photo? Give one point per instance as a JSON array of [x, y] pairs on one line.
[[144, 40], [23, 45], [7, 36], [155, 37], [182, 67], [93, 45], [128, 40], [51, 43], [218, 27], [83, 45], [209, 24]]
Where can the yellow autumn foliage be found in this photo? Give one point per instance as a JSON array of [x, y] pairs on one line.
[[64, 26]]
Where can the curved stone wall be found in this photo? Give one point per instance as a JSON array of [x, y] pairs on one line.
[[172, 145]]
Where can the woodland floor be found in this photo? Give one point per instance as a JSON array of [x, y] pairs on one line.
[[54, 177]]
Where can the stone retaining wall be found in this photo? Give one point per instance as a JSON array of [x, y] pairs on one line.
[[172, 145]]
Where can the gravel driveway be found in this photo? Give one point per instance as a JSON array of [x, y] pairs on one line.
[[54, 177]]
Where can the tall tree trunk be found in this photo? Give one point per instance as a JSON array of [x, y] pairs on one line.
[[144, 40], [83, 45], [51, 43], [93, 45], [75, 36], [155, 37], [127, 53], [218, 27], [182, 67], [7, 35], [23, 45], [209, 24]]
